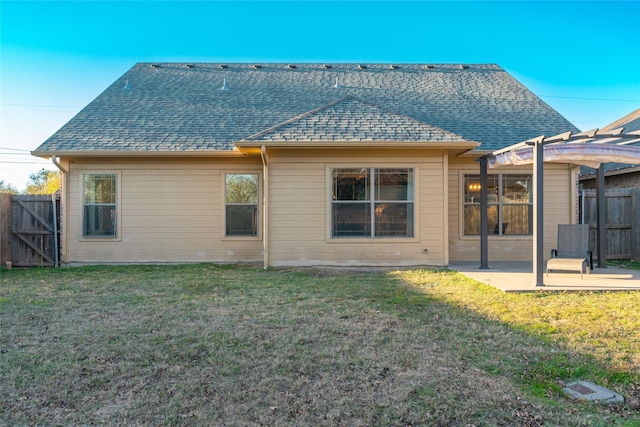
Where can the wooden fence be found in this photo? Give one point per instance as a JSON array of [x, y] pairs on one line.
[[622, 219], [29, 230]]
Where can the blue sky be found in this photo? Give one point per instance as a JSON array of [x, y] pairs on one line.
[[581, 57]]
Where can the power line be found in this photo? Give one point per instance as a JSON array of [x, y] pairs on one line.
[[14, 149], [13, 162], [40, 105], [590, 99]]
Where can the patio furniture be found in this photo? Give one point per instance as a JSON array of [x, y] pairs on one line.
[[573, 251]]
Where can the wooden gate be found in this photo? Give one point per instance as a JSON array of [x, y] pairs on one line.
[[34, 231], [622, 222]]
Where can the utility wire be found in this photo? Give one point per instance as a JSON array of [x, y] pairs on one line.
[[40, 105], [14, 149], [590, 99], [542, 96], [13, 162]]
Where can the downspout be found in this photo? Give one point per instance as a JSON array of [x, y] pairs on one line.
[[54, 159], [63, 179], [445, 179], [265, 205]]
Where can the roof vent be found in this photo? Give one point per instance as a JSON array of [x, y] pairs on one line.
[[362, 67], [326, 66], [188, 66], [224, 85], [127, 85], [155, 66], [428, 67], [337, 85], [222, 66], [393, 67], [291, 66], [462, 66], [256, 66]]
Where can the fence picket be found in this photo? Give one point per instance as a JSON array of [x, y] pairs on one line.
[[623, 236]]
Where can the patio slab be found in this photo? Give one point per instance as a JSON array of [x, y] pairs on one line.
[[518, 277]]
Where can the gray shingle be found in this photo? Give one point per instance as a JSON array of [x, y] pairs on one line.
[[350, 119], [175, 108]]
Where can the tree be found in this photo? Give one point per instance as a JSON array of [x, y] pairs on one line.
[[5, 187], [44, 182]]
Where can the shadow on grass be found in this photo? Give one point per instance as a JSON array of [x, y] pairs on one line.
[[532, 354]]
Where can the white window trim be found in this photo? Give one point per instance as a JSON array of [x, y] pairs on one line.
[[461, 204], [329, 238], [223, 204], [118, 236]]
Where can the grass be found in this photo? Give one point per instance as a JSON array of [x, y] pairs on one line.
[[634, 265], [231, 345]]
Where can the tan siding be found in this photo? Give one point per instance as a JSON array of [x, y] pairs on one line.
[[173, 210], [170, 211], [299, 223], [558, 210]]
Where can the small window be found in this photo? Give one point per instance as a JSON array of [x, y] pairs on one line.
[[371, 202], [241, 204], [509, 207], [99, 217]]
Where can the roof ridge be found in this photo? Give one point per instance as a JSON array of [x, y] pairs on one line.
[[414, 123], [386, 110], [297, 118]]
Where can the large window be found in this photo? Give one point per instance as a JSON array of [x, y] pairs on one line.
[[241, 204], [510, 204], [99, 210], [372, 202]]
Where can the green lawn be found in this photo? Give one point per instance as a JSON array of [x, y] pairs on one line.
[[231, 345]]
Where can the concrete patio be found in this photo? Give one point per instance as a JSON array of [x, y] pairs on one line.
[[518, 277]]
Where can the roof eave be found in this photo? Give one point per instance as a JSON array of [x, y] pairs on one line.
[[454, 145], [611, 172], [107, 153]]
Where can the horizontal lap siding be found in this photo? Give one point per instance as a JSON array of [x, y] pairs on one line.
[[299, 209], [170, 211], [557, 205]]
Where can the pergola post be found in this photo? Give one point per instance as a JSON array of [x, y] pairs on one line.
[[538, 212], [601, 218], [484, 216]]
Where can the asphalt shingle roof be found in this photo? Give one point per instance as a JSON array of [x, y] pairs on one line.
[[207, 107], [349, 120]]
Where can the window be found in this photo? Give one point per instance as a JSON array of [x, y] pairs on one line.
[[510, 204], [241, 204], [372, 202], [99, 213]]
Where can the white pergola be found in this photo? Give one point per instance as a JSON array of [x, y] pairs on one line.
[[593, 148]]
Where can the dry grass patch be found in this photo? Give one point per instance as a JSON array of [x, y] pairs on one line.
[[220, 345]]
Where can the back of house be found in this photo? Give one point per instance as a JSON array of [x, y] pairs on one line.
[[302, 165]]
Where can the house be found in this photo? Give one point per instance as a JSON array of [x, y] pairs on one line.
[[617, 175], [303, 165]]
